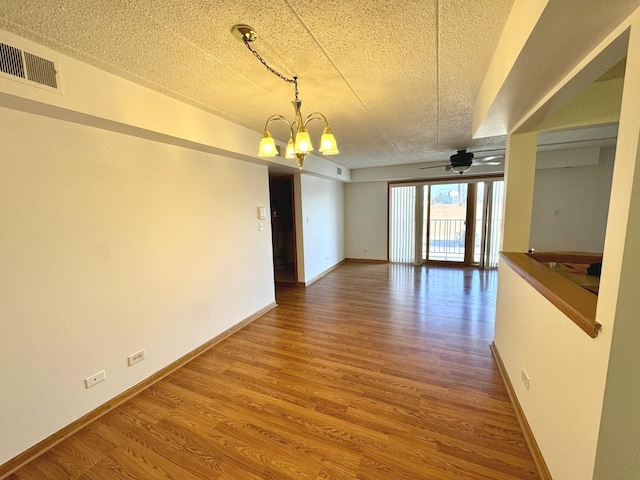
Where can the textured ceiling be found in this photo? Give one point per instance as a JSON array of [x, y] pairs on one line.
[[396, 79]]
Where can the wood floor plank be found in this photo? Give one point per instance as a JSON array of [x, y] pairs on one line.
[[375, 372], [281, 432]]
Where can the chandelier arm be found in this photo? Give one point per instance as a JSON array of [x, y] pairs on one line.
[[315, 116], [272, 118]]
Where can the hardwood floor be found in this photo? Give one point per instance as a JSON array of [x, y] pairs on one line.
[[374, 372]]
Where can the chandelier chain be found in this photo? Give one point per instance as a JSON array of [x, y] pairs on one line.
[[293, 80]]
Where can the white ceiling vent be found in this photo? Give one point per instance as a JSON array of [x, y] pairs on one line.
[[24, 66]]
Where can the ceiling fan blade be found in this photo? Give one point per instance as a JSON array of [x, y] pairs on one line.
[[488, 163], [435, 166], [488, 159]]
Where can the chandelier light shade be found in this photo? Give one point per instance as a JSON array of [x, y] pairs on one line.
[[302, 143], [290, 152], [328, 144], [267, 146], [299, 144]]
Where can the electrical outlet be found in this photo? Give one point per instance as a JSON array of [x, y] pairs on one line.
[[95, 378], [136, 357], [525, 379]]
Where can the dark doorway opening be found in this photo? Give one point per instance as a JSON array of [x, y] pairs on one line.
[[283, 228]]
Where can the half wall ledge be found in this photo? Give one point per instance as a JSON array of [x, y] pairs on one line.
[[576, 302]]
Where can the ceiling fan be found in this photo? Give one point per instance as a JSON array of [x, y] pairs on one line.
[[461, 161]]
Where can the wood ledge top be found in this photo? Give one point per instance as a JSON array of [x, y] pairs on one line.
[[574, 301]]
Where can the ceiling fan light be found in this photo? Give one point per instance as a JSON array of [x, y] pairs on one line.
[[303, 142], [460, 168], [267, 146]]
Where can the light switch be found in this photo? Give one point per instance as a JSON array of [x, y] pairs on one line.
[[262, 213], [260, 226]]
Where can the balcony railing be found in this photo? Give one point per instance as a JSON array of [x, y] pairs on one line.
[[446, 240]]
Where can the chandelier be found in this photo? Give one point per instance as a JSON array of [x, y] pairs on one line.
[[299, 144]]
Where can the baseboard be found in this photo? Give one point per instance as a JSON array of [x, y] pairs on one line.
[[327, 271], [366, 260], [40, 448], [538, 459]]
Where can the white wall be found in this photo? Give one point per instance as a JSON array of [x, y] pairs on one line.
[[567, 371], [619, 443], [570, 207], [111, 244], [322, 215], [366, 220], [580, 194], [127, 223], [582, 405]]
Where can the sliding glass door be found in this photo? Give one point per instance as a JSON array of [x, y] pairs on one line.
[[446, 222]]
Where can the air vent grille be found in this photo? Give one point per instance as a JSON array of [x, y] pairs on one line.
[[27, 66], [40, 70], [11, 61]]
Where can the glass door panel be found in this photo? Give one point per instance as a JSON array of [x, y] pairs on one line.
[[446, 226], [494, 222], [479, 242], [402, 231], [488, 217]]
